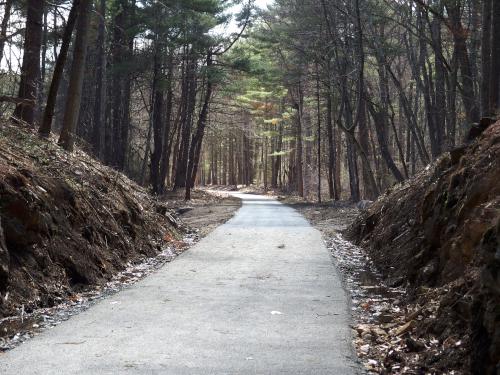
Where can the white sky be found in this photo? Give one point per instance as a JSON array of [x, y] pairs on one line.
[[263, 3], [232, 27]]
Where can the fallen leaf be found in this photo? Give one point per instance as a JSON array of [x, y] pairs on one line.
[[404, 328]]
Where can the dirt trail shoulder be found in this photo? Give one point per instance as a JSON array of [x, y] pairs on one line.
[[205, 211]]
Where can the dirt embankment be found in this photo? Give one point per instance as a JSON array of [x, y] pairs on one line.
[[68, 223], [438, 235]]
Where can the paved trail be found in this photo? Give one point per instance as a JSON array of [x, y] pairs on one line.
[[259, 295]]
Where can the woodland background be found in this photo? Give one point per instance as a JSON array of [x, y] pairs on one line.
[[326, 98]]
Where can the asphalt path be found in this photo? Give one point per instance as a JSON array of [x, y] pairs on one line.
[[259, 295]]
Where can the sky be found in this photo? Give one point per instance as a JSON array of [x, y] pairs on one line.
[[233, 27], [263, 3]]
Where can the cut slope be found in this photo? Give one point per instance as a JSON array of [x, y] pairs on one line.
[[68, 222], [438, 234]]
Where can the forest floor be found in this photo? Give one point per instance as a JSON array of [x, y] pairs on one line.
[[207, 209]]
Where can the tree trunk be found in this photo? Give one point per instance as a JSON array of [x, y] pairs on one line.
[[158, 137], [4, 25], [331, 146], [440, 94], [379, 122], [121, 51], [72, 111], [100, 88], [197, 141], [167, 142], [298, 143], [486, 45], [30, 69], [337, 173], [353, 168], [495, 59], [451, 121], [43, 71], [57, 76], [278, 158], [460, 41], [318, 110], [181, 177], [370, 191], [158, 103]]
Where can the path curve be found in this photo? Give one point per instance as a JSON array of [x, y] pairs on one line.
[[259, 295]]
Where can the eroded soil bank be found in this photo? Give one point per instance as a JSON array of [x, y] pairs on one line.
[[438, 235], [73, 231]]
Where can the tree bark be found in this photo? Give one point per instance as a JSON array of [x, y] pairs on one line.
[[4, 25], [197, 141], [189, 99], [167, 141], [370, 191], [298, 104], [158, 124], [460, 41], [121, 51], [100, 87], [318, 140], [57, 76], [72, 110], [331, 147], [378, 119], [486, 45], [30, 69], [440, 91], [158, 128], [495, 59]]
